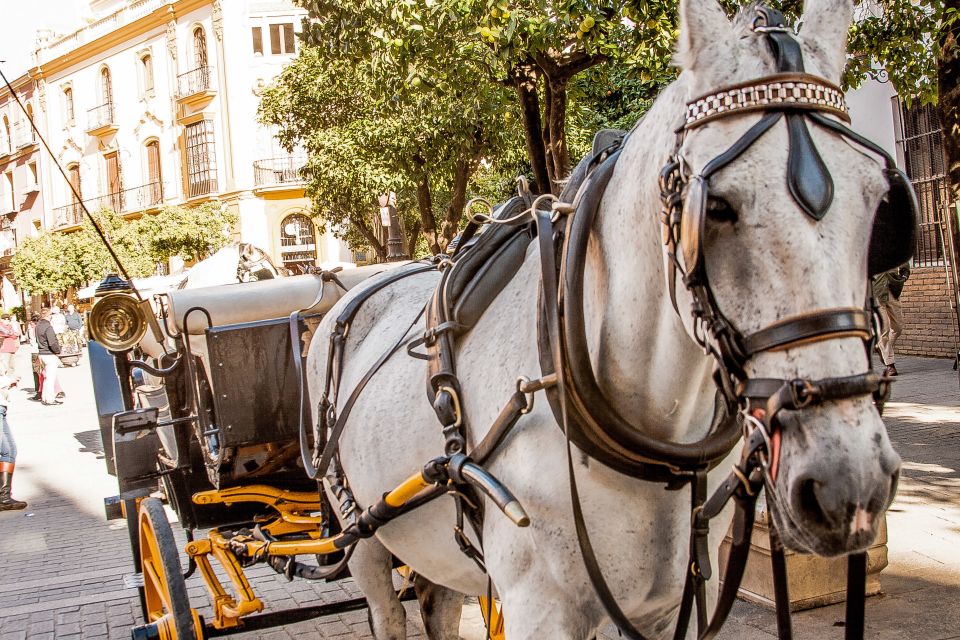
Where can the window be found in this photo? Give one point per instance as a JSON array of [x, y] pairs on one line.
[[154, 190], [7, 138], [33, 177], [73, 171], [282, 39], [146, 74], [68, 107], [199, 48], [8, 195], [33, 134], [201, 159], [297, 241], [920, 143], [258, 41], [106, 86]]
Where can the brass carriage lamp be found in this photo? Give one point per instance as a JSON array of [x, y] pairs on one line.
[[117, 320]]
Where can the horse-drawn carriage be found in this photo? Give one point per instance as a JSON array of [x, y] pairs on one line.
[[200, 402], [656, 343]]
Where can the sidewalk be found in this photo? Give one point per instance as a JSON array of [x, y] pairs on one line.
[[62, 566]]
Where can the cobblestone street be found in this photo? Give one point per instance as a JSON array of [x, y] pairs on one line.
[[63, 566]]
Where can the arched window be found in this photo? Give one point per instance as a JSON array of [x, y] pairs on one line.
[[154, 173], [73, 171], [68, 107], [106, 86], [199, 47], [146, 73], [6, 135], [33, 134], [298, 241]]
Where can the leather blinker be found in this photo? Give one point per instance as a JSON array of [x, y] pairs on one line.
[[693, 223], [894, 231]]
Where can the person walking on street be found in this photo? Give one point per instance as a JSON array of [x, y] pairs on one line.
[[8, 450], [74, 323], [887, 288], [48, 347], [57, 320], [10, 334]]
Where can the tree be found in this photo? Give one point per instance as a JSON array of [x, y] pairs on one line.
[[385, 98], [190, 233], [53, 262]]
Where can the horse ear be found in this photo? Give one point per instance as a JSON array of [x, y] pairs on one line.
[[825, 25], [703, 27]]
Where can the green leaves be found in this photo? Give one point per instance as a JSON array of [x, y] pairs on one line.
[[52, 262]]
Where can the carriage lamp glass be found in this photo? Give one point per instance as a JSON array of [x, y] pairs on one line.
[[116, 321]]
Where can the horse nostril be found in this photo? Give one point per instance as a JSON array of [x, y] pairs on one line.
[[809, 503]]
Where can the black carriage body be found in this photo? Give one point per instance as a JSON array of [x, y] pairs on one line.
[[251, 398], [256, 395]]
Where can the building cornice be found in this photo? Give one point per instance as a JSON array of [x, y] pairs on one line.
[[157, 19]]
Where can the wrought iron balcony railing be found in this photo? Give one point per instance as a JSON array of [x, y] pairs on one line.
[[126, 201], [68, 216], [142, 197], [194, 81], [101, 116], [278, 171]]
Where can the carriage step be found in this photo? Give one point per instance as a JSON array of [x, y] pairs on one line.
[[132, 580]]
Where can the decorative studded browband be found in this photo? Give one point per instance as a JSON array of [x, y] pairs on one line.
[[800, 91]]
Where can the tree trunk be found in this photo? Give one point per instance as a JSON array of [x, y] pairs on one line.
[[464, 169], [370, 237], [412, 239], [556, 124], [948, 77], [425, 206], [524, 78]]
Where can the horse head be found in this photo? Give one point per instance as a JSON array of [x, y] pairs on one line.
[[771, 236]]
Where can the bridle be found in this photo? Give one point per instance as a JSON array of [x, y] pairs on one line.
[[796, 97], [752, 405]]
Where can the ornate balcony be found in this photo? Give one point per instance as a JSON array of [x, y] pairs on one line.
[[68, 216], [195, 86], [282, 171], [141, 198], [101, 121], [23, 135]]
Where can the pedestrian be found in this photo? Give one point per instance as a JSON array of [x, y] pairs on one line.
[[74, 319], [48, 347], [8, 450], [10, 334], [57, 320], [35, 363], [887, 288]]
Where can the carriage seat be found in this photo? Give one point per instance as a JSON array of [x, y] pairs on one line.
[[264, 299]]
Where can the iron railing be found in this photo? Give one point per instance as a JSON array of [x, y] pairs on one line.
[[126, 201], [68, 216], [100, 116], [142, 197], [280, 170], [194, 81], [23, 135]]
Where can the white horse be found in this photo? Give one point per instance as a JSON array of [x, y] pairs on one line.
[[767, 261]]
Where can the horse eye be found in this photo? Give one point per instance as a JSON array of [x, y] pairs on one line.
[[719, 210]]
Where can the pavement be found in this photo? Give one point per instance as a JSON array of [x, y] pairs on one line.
[[64, 569]]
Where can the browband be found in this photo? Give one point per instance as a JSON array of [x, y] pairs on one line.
[[800, 91]]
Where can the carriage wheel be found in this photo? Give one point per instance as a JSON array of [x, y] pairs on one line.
[[169, 615], [495, 621]]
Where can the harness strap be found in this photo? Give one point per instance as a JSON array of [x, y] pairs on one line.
[[333, 441], [829, 323], [334, 357]]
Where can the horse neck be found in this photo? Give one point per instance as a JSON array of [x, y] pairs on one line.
[[646, 363]]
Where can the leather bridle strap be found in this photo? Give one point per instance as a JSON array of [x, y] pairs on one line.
[[809, 327]]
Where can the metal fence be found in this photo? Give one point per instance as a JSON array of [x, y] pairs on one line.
[[921, 144], [100, 116], [194, 81]]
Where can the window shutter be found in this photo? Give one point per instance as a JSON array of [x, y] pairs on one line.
[[288, 40], [258, 40], [275, 39]]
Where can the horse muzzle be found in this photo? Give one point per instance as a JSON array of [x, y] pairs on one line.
[[837, 476]]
